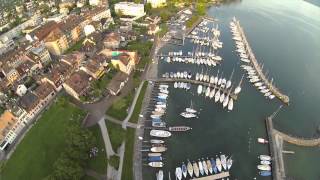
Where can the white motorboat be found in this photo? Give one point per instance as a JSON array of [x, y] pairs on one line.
[[188, 115], [258, 84], [197, 77], [218, 164], [160, 175], [196, 169], [154, 154], [190, 169], [224, 161], [217, 96], [222, 97], [158, 149], [178, 173], [156, 141], [155, 164], [205, 167], [264, 167], [262, 141], [160, 133], [230, 104], [229, 163], [237, 90], [207, 92], [210, 169], [211, 95], [184, 170], [267, 94], [271, 96], [225, 101], [265, 157], [265, 162], [201, 167], [199, 90]]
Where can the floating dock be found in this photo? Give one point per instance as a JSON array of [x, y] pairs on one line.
[[282, 97], [214, 176]]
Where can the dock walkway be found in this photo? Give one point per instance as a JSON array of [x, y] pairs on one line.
[[214, 176], [284, 98], [276, 139], [225, 91]]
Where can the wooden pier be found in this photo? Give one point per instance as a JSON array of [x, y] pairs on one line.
[[214, 176], [284, 98], [172, 80]]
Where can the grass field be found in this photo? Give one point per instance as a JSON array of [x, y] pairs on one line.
[[116, 134], [42, 145], [119, 108], [127, 171], [137, 108], [100, 162]]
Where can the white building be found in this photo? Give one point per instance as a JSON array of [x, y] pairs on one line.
[[157, 3], [130, 9], [94, 2]]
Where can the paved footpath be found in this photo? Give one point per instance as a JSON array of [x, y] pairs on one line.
[[106, 139]]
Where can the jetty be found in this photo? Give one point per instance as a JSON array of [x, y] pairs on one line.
[[172, 80], [282, 97], [214, 176], [276, 139]]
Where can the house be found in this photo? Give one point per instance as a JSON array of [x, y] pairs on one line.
[[125, 61], [89, 46], [57, 75], [8, 125], [42, 32], [96, 66], [31, 104], [157, 3], [40, 54], [56, 42], [78, 84], [45, 91], [28, 67], [117, 83], [95, 2], [130, 9], [73, 59], [125, 27], [72, 28], [111, 40]]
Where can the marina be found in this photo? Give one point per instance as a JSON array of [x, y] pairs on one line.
[[237, 133]]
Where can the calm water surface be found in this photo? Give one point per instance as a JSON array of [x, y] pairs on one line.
[[285, 37]]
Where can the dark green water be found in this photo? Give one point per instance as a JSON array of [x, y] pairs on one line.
[[285, 37]]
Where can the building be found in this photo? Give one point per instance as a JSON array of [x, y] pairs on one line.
[[42, 32], [78, 84], [125, 61], [57, 75], [40, 54], [7, 126], [117, 83], [31, 104], [95, 2], [56, 42], [96, 66], [72, 28], [129, 9], [157, 3], [111, 40], [73, 59], [45, 91]]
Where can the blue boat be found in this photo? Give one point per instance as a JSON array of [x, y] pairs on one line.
[[265, 173], [156, 120], [214, 166], [155, 158]]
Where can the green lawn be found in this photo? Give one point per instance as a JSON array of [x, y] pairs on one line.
[[43, 144], [116, 134], [100, 162], [192, 20], [137, 109], [127, 171], [119, 108], [114, 161]]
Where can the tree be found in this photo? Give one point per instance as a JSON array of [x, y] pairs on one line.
[[66, 169], [148, 8], [164, 16], [201, 8]]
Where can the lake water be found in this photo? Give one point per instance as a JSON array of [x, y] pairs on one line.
[[285, 37]]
